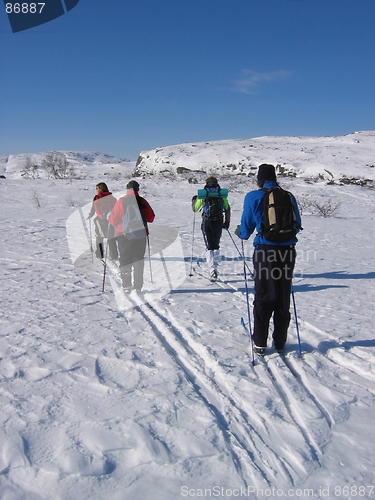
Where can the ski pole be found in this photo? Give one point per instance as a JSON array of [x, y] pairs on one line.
[[149, 256], [238, 250], [91, 249], [296, 320], [192, 248], [248, 305], [105, 263]]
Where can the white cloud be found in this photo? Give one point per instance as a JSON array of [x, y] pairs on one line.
[[250, 81]]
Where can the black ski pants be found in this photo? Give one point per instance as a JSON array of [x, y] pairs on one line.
[[273, 271], [212, 230], [132, 253]]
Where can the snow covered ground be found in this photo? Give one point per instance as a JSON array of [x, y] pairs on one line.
[[158, 399]]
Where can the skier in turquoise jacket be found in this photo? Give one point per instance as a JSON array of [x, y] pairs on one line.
[[215, 218]]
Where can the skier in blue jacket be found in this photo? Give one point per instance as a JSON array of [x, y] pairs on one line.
[[273, 265]]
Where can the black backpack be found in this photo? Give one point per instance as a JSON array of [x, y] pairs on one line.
[[279, 217], [213, 206]]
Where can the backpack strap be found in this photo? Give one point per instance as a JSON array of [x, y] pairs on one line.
[[140, 206], [206, 200], [297, 225]]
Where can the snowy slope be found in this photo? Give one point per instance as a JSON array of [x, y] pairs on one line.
[[160, 400], [86, 164], [344, 156]]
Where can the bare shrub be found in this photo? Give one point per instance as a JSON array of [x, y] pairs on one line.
[[30, 169], [57, 167], [305, 204], [71, 202], [322, 207], [117, 176], [325, 208], [35, 198]]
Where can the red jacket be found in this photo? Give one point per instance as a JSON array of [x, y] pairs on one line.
[[117, 215], [102, 204]]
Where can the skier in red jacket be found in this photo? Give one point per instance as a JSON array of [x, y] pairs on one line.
[[103, 203], [130, 216]]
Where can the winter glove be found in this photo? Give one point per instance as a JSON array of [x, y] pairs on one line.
[[193, 200], [237, 230], [226, 224]]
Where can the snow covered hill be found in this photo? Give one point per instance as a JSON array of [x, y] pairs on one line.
[[83, 164], [346, 157], [343, 159], [156, 398]]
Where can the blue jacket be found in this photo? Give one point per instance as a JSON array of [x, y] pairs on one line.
[[252, 216]]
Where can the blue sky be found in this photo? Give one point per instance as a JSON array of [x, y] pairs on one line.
[[119, 77]]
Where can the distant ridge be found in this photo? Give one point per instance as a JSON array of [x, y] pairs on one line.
[[83, 162], [300, 157], [347, 159]]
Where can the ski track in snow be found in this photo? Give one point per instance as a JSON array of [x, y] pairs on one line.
[[233, 415]]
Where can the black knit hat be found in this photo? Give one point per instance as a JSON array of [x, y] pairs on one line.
[[132, 185], [266, 172], [211, 181]]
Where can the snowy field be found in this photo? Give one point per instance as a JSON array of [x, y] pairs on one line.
[[156, 398]]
